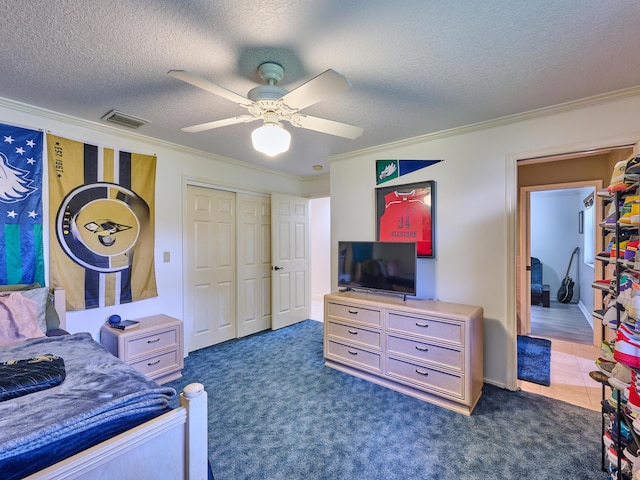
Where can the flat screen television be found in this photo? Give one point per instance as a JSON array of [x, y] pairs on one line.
[[379, 266]]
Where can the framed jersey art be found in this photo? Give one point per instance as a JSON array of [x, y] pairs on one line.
[[405, 213]]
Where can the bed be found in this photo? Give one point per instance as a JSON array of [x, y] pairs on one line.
[[82, 428]]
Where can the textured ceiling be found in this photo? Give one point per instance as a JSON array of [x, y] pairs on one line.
[[416, 67]]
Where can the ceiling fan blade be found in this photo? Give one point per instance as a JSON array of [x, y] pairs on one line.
[[318, 88], [323, 125], [219, 123], [208, 85]]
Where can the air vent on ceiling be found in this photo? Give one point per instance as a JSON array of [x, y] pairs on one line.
[[123, 119]]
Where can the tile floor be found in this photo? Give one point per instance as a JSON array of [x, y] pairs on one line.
[[570, 381]]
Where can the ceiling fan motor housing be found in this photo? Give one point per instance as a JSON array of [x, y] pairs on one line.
[[266, 92], [271, 73]]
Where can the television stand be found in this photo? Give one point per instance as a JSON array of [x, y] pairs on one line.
[[428, 349]]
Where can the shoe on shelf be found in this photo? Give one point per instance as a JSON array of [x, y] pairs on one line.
[[607, 407], [617, 183], [632, 170], [634, 305], [612, 318], [606, 350], [626, 435], [626, 351], [632, 246], [605, 366], [598, 376], [613, 399], [628, 332], [627, 210], [618, 249], [633, 400], [612, 455], [620, 376], [631, 452]]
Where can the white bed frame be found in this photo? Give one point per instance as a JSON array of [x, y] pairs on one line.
[[171, 446]]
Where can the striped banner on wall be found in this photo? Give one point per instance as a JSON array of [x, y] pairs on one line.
[[102, 223], [22, 253]]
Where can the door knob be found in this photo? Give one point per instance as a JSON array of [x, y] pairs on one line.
[[276, 268]]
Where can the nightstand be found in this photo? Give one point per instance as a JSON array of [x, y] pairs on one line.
[[155, 348]]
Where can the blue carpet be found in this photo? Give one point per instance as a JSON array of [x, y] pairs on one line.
[[276, 412], [534, 360]]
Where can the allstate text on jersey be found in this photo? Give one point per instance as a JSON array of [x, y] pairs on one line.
[[398, 233]]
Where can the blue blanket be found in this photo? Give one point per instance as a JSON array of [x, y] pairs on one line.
[[98, 389], [29, 375]]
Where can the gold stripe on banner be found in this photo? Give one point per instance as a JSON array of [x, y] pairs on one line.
[[143, 182], [107, 171], [101, 227]]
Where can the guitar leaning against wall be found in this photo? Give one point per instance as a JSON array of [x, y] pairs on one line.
[[565, 292]]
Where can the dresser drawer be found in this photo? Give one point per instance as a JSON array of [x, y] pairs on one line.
[[354, 313], [154, 366], [427, 327], [151, 343], [370, 338], [426, 378], [448, 357], [354, 356]]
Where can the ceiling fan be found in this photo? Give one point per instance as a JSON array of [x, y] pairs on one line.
[[273, 104]]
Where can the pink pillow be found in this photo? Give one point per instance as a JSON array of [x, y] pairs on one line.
[[18, 319]]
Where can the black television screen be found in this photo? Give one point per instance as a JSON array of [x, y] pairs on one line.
[[383, 266]]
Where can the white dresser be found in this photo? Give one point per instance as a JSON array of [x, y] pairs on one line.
[[427, 349], [154, 348]]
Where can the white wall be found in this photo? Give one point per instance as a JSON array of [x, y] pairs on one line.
[[554, 234], [174, 166], [476, 204], [320, 245]]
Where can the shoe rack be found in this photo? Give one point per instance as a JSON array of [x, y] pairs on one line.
[[617, 418]]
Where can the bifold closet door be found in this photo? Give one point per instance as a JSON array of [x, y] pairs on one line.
[[254, 263], [210, 244]]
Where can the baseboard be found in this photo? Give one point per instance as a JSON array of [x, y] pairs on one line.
[[497, 384], [587, 314]]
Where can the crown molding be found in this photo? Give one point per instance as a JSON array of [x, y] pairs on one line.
[[110, 130], [497, 122]]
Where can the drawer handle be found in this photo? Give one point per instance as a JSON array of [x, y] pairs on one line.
[[153, 341], [352, 332], [420, 372], [353, 312], [422, 324], [153, 363], [352, 352], [422, 349]]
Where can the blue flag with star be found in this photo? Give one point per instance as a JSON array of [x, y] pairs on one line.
[[21, 250]]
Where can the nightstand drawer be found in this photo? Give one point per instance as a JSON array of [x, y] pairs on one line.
[[151, 343], [158, 364], [153, 348]]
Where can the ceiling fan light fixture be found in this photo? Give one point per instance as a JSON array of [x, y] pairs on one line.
[[271, 139]]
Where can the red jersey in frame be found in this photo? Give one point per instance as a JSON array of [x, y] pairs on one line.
[[406, 217]]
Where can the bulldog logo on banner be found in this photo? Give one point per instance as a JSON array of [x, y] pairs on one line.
[[102, 216]]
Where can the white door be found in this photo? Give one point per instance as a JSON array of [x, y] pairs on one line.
[[291, 292], [210, 300], [254, 263]]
